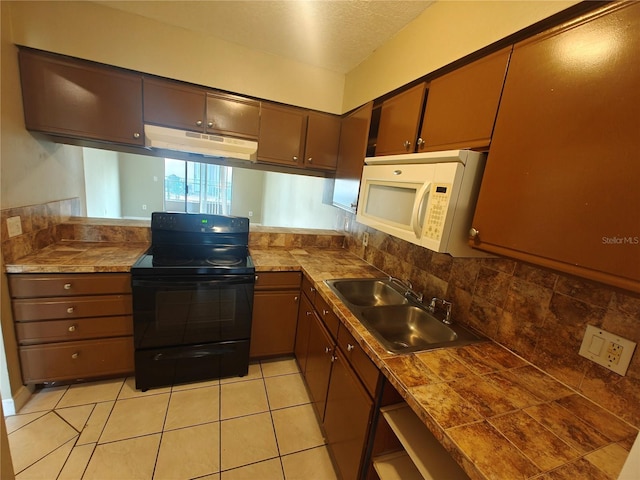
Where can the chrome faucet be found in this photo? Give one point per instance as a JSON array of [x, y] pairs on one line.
[[408, 288], [446, 305]]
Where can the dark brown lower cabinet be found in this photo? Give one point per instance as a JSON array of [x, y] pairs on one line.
[[275, 310], [305, 312], [347, 418], [320, 350]]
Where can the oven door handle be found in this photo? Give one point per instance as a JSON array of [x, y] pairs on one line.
[[183, 283]]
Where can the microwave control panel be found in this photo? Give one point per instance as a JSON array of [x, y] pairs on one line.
[[437, 210]]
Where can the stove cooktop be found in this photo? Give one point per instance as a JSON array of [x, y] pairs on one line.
[[147, 264]]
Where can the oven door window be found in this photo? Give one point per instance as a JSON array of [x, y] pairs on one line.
[[187, 312]]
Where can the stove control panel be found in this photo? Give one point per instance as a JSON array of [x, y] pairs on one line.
[[198, 222]]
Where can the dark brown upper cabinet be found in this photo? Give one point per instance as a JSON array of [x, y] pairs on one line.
[[352, 149], [560, 186], [176, 105], [297, 137], [399, 121], [69, 98], [321, 146], [462, 105]]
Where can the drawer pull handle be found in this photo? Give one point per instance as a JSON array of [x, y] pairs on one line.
[[70, 309], [350, 347], [67, 286], [75, 355], [72, 328]]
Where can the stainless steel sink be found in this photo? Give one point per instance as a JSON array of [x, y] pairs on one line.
[[400, 323], [368, 292]]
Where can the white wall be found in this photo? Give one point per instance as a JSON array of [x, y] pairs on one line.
[[296, 201], [102, 183]]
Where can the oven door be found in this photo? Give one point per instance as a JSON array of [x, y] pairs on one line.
[[191, 310]]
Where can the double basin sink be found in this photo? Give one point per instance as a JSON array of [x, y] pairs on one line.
[[400, 323]]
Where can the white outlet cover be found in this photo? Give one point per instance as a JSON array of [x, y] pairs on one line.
[[14, 226], [598, 343]]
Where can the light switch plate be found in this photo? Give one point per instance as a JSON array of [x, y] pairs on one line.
[[14, 226], [607, 349]]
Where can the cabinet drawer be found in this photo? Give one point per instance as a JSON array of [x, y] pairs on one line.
[[278, 280], [77, 360], [35, 285], [71, 307], [327, 316], [308, 289], [49, 331], [361, 363]]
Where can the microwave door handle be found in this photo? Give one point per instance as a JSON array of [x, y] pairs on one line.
[[417, 209]]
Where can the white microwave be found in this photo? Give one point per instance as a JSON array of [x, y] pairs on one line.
[[423, 198]]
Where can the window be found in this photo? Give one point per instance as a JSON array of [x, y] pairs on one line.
[[194, 187]]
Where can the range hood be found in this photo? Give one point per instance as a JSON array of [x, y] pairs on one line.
[[200, 143]]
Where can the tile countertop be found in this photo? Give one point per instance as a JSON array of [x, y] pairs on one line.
[[80, 257], [498, 415]]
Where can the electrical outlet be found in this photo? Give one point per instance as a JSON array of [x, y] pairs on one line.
[[614, 352], [607, 349], [14, 226], [144, 207], [365, 239]]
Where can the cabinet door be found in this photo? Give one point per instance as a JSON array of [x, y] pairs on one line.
[[282, 133], [273, 327], [399, 122], [354, 134], [462, 105], [234, 116], [318, 368], [347, 418], [323, 137], [305, 312], [62, 96], [173, 105], [560, 187]]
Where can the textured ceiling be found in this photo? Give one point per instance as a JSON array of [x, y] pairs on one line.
[[332, 34]]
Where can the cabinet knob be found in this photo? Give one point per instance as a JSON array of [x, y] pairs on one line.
[[420, 142], [136, 135], [75, 355], [209, 124], [473, 233], [407, 145], [257, 278], [72, 328], [327, 349], [67, 286], [325, 311], [295, 299], [309, 313], [199, 123], [333, 358], [350, 347], [310, 160], [70, 309], [295, 159], [311, 289]]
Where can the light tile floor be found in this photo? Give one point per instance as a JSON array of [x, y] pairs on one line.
[[261, 426]]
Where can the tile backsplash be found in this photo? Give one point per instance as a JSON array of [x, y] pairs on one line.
[[539, 314], [38, 224]]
